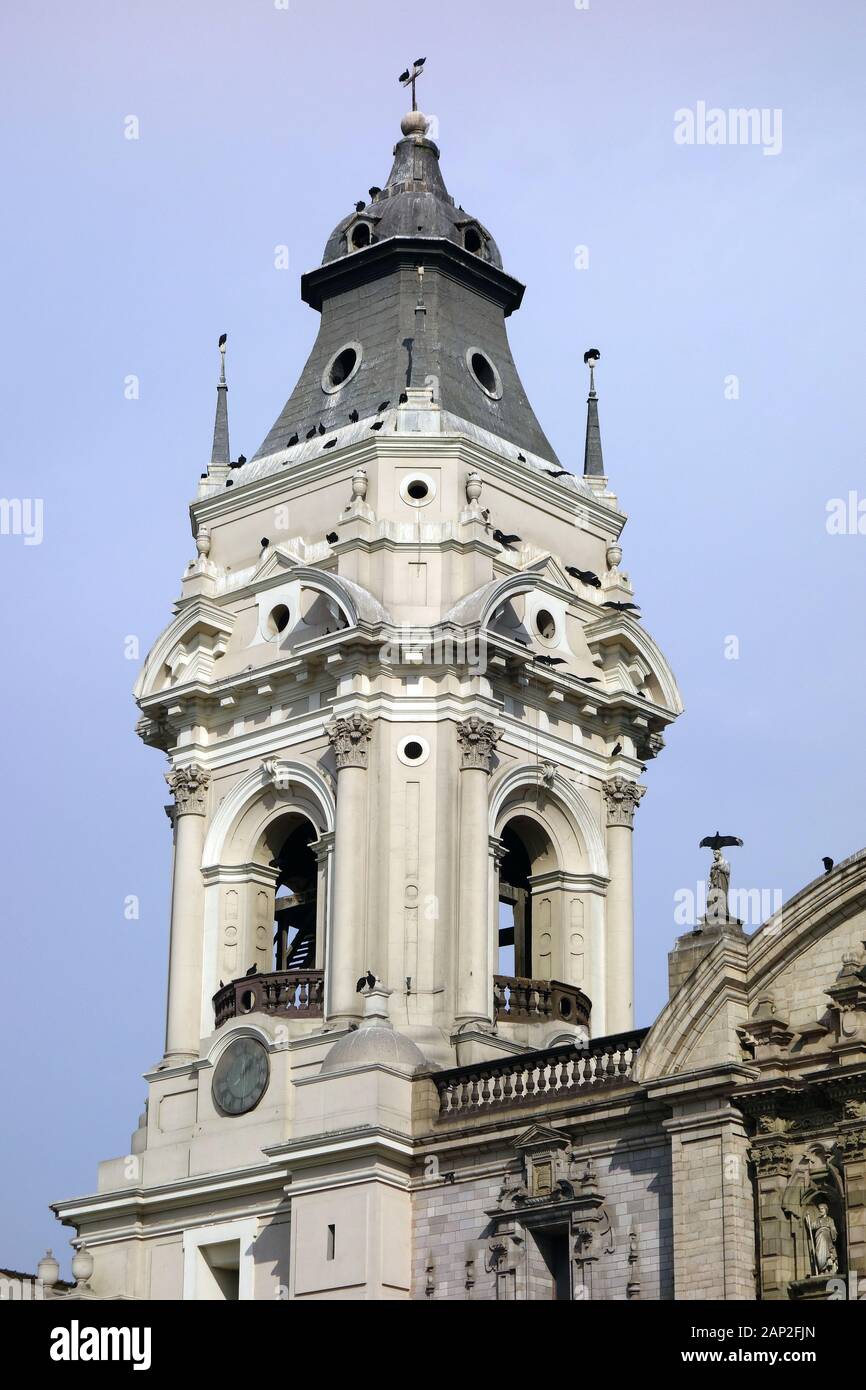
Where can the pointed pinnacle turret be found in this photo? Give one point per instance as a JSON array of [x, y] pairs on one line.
[[593, 462], [220, 454]]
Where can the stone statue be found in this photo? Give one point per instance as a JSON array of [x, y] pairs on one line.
[[719, 880], [718, 884], [822, 1241]]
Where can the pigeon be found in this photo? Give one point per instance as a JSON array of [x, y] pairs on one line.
[[718, 841], [419, 62], [311, 434], [222, 341], [360, 205], [383, 405], [332, 538], [551, 660], [403, 397], [322, 429], [368, 980], [374, 190], [622, 607], [222, 986], [264, 542], [378, 425], [353, 416], [828, 863], [292, 442], [617, 748], [506, 540], [253, 970], [404, 76], [242, 458], [522, 457], [330, 444], [585, 576], [557, 472]]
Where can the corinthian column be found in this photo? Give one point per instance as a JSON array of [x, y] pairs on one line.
[[477, 739], [621, 798], [183, 1013], [350, 740]]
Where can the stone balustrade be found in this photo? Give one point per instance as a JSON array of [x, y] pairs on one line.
[[545, 1074], [289, 993]]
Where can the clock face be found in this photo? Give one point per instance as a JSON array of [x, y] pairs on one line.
[[241, 1077]]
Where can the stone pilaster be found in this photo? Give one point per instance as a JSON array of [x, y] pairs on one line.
[[350, 739], [852, 1143], [477, 739], [772, 1159], [189, 786], [622, 799]]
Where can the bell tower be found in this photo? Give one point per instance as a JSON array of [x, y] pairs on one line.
[[406, 699]]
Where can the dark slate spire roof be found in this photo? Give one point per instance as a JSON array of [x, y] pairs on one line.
[[220, 451], [414, 202], [593, 462], [366, 290]]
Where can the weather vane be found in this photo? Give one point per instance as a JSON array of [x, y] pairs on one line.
[[410, 77]]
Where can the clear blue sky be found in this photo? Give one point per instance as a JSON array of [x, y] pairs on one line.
[[260, 126]]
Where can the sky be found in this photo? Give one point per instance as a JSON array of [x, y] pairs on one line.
[[723, 283]]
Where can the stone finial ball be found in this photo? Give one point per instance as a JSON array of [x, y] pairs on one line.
[[415, 123]]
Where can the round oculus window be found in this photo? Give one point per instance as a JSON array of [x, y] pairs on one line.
[[413, 750], [418, 489], [484, 373], [341, 368], [278, 620]]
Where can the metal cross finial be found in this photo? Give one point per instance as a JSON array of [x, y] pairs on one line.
[[410, 77]]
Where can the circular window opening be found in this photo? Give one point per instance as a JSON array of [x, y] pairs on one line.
[[341, 368], [360, 235], [413, 751], [484, 373], [472, 241], [418, 489], [545, 625], [278, 619]]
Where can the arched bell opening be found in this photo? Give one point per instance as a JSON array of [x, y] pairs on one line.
[[296, 896], [540, 926]]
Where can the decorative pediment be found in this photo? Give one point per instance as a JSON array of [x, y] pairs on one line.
[[542, 1137], [187, 649]]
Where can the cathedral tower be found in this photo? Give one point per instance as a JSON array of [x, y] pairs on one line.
[[406, 699]]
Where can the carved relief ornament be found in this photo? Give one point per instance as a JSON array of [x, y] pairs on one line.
[[189, 786], [350, 740]]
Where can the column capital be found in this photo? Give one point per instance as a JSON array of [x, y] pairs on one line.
[[350, 739], [189, 786], [622, 798], [477, 738]]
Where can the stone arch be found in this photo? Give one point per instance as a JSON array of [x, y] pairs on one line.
[[243, 874], [552, 875]]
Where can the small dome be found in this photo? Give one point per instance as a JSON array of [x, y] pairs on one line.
[[372, 1045]]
